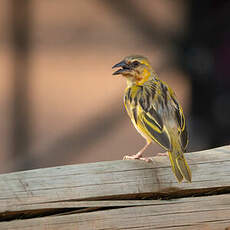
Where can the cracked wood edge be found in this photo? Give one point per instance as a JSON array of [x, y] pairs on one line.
[[211, 213]]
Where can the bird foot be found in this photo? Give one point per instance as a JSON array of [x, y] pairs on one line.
[[162, 154], [137, 157]]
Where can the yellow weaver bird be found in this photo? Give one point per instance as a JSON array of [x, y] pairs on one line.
[[155, 112]]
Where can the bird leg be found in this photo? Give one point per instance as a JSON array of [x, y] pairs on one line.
[[139, 155]]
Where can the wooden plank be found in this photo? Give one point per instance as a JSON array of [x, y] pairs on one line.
[[209, 212], [113, 180]]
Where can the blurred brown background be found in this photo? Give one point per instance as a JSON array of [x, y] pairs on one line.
[[60, 104]]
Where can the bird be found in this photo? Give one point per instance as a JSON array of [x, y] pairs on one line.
[[155, 112]]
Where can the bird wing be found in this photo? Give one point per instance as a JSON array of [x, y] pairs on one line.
[[141, 105], [145, 119], [151, 121], [181, 122]]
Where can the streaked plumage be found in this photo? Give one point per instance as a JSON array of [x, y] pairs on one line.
[[155, 112]]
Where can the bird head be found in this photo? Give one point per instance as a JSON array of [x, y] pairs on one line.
[[136, 69]]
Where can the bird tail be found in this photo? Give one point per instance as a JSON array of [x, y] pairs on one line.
[[180, 167]]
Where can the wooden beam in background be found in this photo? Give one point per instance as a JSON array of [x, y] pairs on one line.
[[20, 32]]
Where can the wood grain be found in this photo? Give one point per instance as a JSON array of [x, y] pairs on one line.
[[99, 194], [211, 212]]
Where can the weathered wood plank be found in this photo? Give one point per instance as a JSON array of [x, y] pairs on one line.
[[209, 212], [110, 180]]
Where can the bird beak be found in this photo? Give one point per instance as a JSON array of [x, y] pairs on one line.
[[123, 65]]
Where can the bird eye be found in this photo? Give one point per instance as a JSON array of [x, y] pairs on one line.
[[135, 63]]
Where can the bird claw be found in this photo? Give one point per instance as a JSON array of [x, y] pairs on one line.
[[136, 157], [162, 154]]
